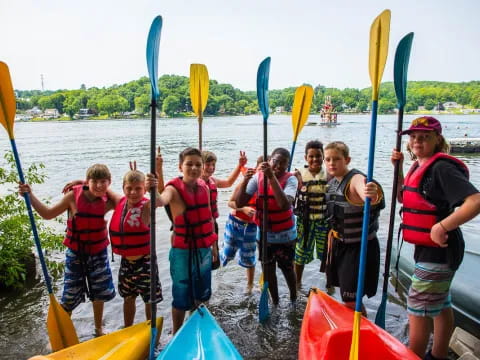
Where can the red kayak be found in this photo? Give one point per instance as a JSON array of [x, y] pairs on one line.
[[327, 334]]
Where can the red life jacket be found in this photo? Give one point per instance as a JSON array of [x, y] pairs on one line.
[[278, 219], [193, 228], [128, 234], [418, 214], [87, 229], [212, 186], [241, 215]]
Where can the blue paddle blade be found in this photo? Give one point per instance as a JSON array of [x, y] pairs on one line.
[[380, 317], [153, 44], [262, 87], [263, 311], [400, 68]]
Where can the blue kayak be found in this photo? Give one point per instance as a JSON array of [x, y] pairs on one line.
[[200, 337]]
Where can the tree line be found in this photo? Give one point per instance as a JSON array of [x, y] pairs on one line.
[[224, 99]]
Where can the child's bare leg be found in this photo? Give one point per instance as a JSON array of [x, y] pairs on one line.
[[298, 273], [250, 275], [98, 316], [148, 311], [419, 333], [443, 326], [177, 318], [271, 276], [129, 310], [289, 275]]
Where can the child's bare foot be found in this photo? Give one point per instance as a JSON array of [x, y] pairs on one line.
[[249, 289]]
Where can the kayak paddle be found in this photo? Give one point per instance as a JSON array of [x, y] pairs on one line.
[[379, 34], [153, 44], [301, 108], [262, 95], [400, 69], [199, 94], [61, 331]]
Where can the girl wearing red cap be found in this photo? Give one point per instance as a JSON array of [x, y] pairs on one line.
[[435, 185]]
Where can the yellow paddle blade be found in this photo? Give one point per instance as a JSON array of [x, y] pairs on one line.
[[7, 100], [198, 87], [301, 108], [379, 34], [60, 327], [355, 347]]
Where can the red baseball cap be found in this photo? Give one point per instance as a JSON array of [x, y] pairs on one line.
[[424, 123]]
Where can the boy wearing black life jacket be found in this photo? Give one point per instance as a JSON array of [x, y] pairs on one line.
[[281, 230], [87, 269], [213, 183], [346, 194], [193, 236], [130, 238], [310, 208]]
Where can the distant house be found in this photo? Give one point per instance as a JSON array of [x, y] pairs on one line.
[[35, 111], [421, 108], [85, 113], [279, 109], [51, 114], [450, 105]]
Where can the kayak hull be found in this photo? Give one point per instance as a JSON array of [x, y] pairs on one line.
[[132, 343], [326, 334], [200, 337]]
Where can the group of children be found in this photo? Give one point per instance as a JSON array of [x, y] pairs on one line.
[[328, 204]]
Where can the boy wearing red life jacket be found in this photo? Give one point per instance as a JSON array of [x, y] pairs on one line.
[[193, 236], [281, 230], [87, 269], [209, 163], [130, 238]]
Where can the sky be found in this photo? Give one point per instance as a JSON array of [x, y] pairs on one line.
[[101, 43]]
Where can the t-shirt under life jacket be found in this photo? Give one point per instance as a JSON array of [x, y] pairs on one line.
[[418, 214], [212, 186], [241, 215], [345, 218], [310, 199], [128, 234], [193, 228], [278, 219], [87, 229]]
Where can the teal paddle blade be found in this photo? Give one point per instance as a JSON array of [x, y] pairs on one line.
[[153, 45], [262, 87], [263, 311], [400, 68], [380, 317]]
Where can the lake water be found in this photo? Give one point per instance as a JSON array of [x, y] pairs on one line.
[[68, 148]]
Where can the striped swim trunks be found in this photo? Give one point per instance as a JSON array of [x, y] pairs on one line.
[[87, 272], [310, 241], [429, 292], [239, 235]]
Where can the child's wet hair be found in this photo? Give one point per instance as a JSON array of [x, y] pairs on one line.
[[281, 151], [339, 146], [442, 146], [208, 156], [189, 151], [133, 176], [98, 172], [314, 144]]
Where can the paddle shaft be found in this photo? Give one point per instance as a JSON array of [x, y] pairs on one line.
[[291, 154], [265, 204], [391, 224], [200, 122], [366, 210], [153, 192], [32, 219]]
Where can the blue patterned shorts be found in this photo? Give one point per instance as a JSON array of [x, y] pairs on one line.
[[239, 235], [93, 274]]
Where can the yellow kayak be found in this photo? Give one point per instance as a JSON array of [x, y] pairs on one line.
[[131, 343]]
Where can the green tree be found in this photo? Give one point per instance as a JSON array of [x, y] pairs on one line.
[[72, 105], [430, 104], [142, 104], [170, 105], [16, 240], [111, 104]]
